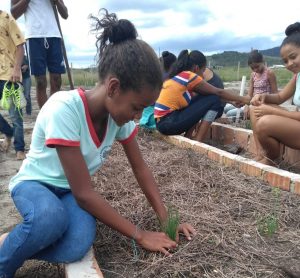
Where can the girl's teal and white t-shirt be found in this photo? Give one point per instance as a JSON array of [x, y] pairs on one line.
[[296, 98], [65, 120]]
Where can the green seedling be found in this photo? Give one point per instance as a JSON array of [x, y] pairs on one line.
[[172, 222], [269, 224]]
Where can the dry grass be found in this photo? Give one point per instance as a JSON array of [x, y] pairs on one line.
[[223, 205]]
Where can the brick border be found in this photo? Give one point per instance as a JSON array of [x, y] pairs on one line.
[[275, 177]]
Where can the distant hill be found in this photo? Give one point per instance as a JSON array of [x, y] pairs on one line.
[[272, 52], [231, 58]]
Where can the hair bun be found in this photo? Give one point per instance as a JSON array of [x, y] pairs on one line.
[[293, 28], [165, 53], [122, 30]]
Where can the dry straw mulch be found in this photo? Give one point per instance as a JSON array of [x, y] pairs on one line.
[[229, 210]]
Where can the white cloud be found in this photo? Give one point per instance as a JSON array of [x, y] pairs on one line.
[[217, 24]]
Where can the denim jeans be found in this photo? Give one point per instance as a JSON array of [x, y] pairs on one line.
[[5, 127], [182, 120], [54, 228], [231, 111], [27, 89], [17, 130]]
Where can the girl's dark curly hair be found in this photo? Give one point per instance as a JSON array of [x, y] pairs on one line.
[[292, 35], [122, 55]]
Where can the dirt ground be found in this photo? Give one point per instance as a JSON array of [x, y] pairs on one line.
[[244, 227]]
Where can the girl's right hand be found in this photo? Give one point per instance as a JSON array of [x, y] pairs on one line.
[[258, 99], [155, 241]]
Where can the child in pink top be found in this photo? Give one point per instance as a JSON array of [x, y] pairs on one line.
[[263, 80]]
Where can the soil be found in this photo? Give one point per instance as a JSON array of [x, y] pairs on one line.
[[234, 216]]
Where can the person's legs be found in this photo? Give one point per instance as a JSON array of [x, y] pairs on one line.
[[182, 120], [77, 239], [228, 107], [27, 89], [5, 127], [37, 48], [41, 87], [55, 63], [55, 82], [44, 221], [259, 149], [273, 130], [17, 121]]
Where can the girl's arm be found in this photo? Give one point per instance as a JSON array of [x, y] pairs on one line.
[[264, 109], [250, 92], [149, 186], [286, 93], [206, 88], [88, 199], [145, 178], [273, 81]]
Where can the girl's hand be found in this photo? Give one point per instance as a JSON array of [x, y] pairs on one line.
[[262, 110], [246, 100], [155, 241], [187, 230], [258, 99], [246, 115]]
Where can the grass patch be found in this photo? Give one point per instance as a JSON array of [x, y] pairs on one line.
[[171, 225]]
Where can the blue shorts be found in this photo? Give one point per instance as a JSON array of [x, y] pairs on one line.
[[45, 53]]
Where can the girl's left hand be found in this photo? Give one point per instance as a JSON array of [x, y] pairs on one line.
[[262, 110], [187, 230]]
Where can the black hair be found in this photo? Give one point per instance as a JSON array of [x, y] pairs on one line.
[[167, 59], [292, 35], [186, 60], [255, 57], [122, 55]]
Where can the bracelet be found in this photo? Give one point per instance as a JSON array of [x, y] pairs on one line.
[[135, 233], [134, 246]]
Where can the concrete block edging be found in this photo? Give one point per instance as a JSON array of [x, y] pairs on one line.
[[272, 175]]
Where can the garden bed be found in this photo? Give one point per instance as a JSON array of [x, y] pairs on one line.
[[238, 138], [245, 228]]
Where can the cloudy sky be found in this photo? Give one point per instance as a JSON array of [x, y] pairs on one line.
[[211, 26]]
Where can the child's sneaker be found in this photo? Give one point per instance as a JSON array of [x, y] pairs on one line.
[[6, 100], [20, 155], [18, 95]]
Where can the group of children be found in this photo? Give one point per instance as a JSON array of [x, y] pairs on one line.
[[76, 129]]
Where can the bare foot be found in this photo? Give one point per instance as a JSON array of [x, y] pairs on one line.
[[2, 238], [258, 158], [267, 161]]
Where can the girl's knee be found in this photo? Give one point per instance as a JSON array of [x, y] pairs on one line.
[[264, 123], [52, 221], [81, 244]]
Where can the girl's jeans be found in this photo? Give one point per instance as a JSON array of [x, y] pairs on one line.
[[27, 89], [54, 228], [182, 120]]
